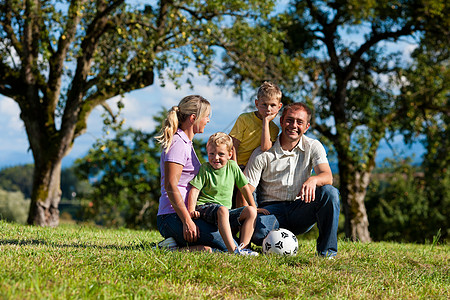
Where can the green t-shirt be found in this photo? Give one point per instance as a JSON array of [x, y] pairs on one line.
[[216, 186]]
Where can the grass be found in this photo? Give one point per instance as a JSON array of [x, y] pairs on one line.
[[85, 262]]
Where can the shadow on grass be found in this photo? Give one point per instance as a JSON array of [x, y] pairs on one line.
[[34, 242]]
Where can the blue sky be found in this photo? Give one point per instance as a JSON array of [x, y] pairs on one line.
[[140, 106]]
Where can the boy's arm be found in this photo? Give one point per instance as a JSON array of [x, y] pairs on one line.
[[247, 193], [192, 202], [266, 143]]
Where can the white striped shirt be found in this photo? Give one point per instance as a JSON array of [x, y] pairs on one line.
[[279, 173]]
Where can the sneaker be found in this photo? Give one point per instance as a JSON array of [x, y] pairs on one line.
[[168, 243], [240, 250]]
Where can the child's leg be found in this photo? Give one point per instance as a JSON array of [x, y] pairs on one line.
[[248, 220], [223, 223]]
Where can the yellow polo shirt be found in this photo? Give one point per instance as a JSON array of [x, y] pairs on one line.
[[248, 130]]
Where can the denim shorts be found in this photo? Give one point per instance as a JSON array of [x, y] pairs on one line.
[[208, 212]]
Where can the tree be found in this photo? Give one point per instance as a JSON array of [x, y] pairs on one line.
[[403, 207], [348, 75], [125, 175], [17, 178], [61, 59], [124, 171], [13, 206]]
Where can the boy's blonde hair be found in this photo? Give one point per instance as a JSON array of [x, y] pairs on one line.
[[189, 105], [220, 138], [269, 90]]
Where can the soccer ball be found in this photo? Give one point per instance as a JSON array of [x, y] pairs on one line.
[[280, 241]]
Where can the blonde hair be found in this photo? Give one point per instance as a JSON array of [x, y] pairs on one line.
[[189, 105], [220, 138], [269, 90]]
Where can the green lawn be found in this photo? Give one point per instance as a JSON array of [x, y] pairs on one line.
[[82, 262]]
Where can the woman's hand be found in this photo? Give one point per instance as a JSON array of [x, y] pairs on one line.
[[190, 231], [195, 214]]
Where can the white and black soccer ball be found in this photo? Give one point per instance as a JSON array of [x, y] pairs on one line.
[[280, 241]]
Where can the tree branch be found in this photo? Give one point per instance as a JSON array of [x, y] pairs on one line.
[[374, 39]]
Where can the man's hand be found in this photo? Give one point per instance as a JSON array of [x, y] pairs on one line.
[[308, 191], [190, 231]]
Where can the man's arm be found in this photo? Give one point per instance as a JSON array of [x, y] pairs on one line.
[[323, 177]]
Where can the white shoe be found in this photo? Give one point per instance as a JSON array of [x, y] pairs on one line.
[[168, 243], [240, 250]]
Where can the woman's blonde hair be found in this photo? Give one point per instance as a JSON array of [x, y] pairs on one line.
[[221, 138], [189, 105]]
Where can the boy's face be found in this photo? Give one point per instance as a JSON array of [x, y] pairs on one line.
[[267, 106], [218, 155]]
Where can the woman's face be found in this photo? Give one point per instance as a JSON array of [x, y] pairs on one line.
[[199, 126]]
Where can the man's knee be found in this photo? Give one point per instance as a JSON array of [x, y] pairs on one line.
[[264, 224], [330, 192]]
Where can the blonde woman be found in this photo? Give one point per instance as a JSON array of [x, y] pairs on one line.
[[179, 165]]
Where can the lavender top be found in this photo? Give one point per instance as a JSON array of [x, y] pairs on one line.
[[181, 152]]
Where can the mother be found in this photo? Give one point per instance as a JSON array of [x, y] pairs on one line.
[[179, 164]]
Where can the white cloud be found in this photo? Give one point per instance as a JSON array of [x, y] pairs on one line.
[[10, 112]]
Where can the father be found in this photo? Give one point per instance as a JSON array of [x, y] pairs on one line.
[[286, 188]]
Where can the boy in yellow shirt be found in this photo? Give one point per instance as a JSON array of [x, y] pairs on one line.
[[256, 128]]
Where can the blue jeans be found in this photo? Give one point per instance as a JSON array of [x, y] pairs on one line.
[[170, 225], [299, 217], [208, 212]]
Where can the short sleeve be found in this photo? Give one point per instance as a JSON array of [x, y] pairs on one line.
[[199, 180], [177, 152], [239, 176], [318, 154], [238, 129], [255, 167]]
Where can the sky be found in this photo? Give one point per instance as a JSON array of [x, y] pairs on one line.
[[140, 107]]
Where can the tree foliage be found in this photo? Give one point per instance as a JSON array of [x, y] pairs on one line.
[[17, 178], [61, 59], [336, 56], [13, 206], [124, 172], [404, 208]]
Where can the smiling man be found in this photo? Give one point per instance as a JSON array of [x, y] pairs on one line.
[[286, 187]]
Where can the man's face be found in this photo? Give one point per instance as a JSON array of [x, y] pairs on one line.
[[294, 124], [218, 155]]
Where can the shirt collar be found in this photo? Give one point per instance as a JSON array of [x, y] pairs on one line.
[[279, 152], [183, 136]]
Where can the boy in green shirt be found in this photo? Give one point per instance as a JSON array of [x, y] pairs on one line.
[[211, 194]]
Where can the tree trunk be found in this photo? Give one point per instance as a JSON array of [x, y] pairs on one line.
[[46, 194], [353, 186]]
